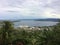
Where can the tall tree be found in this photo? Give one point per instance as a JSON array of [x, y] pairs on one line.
[[7, 27]]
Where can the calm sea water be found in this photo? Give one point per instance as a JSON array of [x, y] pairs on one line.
[[35, 23]]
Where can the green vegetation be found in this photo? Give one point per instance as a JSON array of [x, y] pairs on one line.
[[8, 34]]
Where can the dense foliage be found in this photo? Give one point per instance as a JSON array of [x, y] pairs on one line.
[[34, 37]]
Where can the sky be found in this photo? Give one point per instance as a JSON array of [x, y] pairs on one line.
[[29, 9]]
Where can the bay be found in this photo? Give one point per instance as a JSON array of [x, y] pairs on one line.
[[35, 23]]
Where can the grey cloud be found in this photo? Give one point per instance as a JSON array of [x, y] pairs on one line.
[[32, 8], [12, 11], [15, 3]]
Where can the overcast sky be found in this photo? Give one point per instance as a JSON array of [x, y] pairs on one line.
[[22, 9]]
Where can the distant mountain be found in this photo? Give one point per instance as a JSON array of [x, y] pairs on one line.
[[48, 19]]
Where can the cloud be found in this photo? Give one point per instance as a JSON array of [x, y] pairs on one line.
[[30, 8], [51, 13]]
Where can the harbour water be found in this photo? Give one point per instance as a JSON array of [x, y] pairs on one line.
[[35, 23]]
